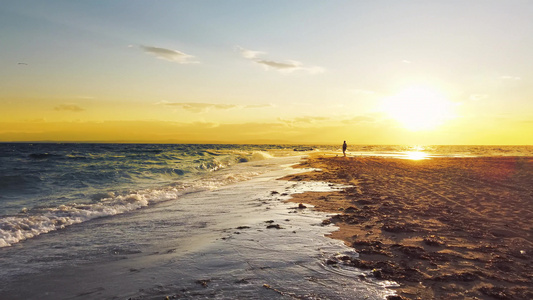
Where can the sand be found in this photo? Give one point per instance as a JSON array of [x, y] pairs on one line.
[[443, 228]]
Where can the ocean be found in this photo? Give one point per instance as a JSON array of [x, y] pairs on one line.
[[144, 221], [44, 187]]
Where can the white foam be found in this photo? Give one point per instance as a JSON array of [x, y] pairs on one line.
[[32, 223], [17, 228], [260, 155]]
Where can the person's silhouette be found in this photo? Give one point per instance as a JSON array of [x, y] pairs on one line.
[[344, 146]]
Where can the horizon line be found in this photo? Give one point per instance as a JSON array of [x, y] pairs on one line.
[[245, 143]]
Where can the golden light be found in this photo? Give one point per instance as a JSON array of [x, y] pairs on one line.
[[416, 155], [419, 108]]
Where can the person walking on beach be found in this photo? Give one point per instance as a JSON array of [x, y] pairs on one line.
[[344, 146]]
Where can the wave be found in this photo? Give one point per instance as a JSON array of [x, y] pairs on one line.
[[211, 165], [14, 229], [30, 223], [52, 186], [42, 155], [253, 156], [76, 157], [16, 182], [260, 155], [219, 161]]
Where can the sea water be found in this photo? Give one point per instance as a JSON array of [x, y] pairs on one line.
[[45, 187], [183, 220]]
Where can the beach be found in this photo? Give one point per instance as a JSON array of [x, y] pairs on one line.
[[443, 228], [98, 221], [241, 240]]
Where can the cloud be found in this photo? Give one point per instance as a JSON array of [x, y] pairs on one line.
[[205, 124], [249, 54], [305, 120], [200, 107], [279, 65], [507, 77], [205, 107], [478, 97], [287, 66], [68, 107], [308, 119], [405, 61], [169, 54]]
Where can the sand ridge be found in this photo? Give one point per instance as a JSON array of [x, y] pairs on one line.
[[444, 228]]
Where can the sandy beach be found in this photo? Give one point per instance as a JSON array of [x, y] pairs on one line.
[[443, 228]]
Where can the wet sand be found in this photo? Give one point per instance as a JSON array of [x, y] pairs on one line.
[[443, 228]]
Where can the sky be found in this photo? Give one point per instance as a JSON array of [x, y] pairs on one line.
[[305, 71]]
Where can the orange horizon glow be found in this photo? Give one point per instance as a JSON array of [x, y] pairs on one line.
[[248, 133]]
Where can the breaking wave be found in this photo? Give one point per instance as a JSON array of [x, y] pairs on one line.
[[30, 223]]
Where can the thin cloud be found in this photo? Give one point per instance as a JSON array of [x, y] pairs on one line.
[[69, 107], [200, 107], [169, 54], [205, 107], [507, 77], [405, 61], [308, 119], [303, 120], [249, 54], [287, 66], [205, 124], [279, 65]]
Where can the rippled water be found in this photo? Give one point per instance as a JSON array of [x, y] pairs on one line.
[[44, 187]]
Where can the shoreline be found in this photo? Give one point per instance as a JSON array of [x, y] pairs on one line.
[[238, 241], [443, 228]]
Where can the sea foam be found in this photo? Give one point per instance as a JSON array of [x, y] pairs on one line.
[[260, 155], [33, 222]]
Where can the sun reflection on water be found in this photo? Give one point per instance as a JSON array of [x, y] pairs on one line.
[[416, 155]]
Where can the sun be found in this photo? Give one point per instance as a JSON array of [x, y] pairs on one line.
[[419, 108]]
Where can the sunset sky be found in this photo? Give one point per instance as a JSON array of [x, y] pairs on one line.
[[368, 72]]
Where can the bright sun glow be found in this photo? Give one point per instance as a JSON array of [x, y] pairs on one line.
[[419, 108], [416, 155]]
